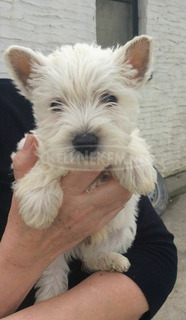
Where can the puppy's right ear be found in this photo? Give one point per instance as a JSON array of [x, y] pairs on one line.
[[23, 64]]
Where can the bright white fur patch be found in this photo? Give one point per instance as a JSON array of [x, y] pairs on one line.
[[68, 90]]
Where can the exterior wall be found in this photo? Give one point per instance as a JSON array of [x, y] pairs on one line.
[[163, 112], [45, 24]]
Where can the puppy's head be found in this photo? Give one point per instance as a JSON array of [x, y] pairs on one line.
[[83, 98]]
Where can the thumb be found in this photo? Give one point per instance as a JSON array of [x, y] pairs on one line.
[[26, 158]]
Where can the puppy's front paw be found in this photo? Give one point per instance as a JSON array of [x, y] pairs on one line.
[[107, 261], [39, 207], [138, 176], [136, 172]]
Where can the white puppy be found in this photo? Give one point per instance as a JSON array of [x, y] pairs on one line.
[[85, 108]]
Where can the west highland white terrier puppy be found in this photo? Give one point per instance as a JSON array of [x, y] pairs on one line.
[[85, 106]]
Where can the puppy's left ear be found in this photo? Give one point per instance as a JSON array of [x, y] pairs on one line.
[[135, 59], [24, 65]]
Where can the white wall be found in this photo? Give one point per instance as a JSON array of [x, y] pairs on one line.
[[45, 24], [163, 112]]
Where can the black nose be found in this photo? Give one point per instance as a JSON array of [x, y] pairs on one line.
[[85, 143]]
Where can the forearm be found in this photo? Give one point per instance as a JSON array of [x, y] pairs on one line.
[[19, 267], [102, 296], [15, 282]]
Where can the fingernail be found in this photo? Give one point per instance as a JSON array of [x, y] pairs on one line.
[[28, 143]]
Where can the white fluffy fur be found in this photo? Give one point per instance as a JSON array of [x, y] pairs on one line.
[[79, 76]]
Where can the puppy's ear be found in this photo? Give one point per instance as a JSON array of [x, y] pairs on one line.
[[135, 60], [22, 64]]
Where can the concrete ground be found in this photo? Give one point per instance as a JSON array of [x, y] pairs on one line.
[[175, 220]]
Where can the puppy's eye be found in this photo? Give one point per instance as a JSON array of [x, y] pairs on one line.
[[109, 99], [56, 105]]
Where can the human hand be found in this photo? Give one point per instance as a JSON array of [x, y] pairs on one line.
[[81, 214]]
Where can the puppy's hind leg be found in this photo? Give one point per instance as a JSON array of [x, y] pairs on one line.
[[53, 281]]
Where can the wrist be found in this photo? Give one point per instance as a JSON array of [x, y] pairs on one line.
[[21, 245], [11, 259]]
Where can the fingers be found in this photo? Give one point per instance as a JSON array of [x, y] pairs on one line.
[[76, 182], [92, 211], [26, 158], [107, 197], [110, 193]]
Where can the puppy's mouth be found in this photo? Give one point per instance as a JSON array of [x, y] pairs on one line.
[[87, 151], [93, 159], [88, 156]]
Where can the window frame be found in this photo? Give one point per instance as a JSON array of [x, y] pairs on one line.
[[134, 3]]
